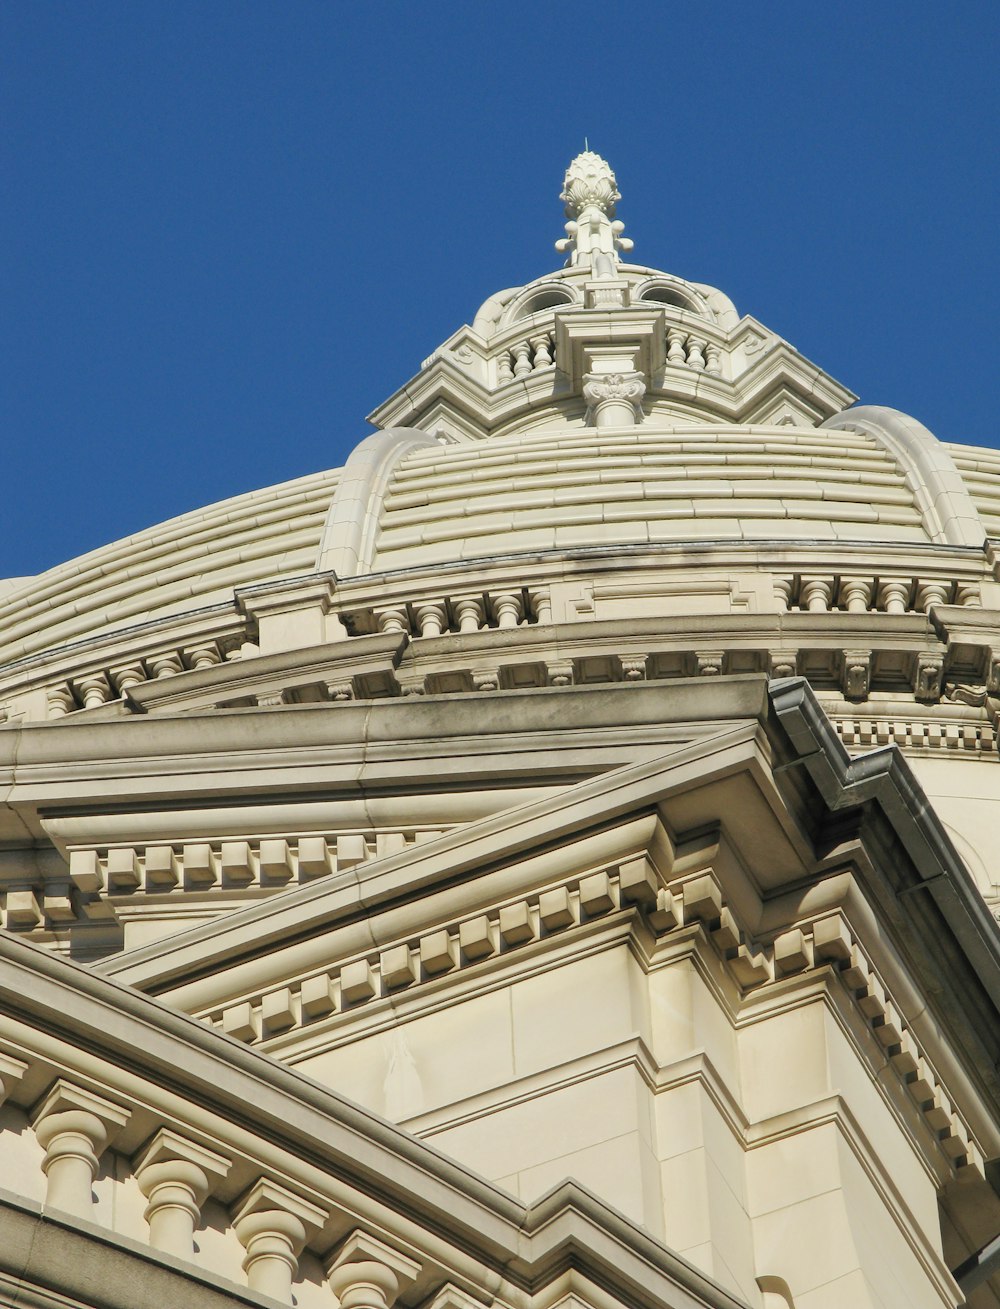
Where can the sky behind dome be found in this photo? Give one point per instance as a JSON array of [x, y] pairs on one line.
[[231, 229]]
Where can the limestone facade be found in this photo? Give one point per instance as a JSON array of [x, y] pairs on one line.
[[547, 862]]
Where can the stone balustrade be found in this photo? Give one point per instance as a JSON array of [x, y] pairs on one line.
[[101, 686], [534, 353], [691, 349], [826, 593], [78, 1136], [460, 613]]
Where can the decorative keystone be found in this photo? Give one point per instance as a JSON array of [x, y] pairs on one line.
[[709, 662], [368, 1274], [74, 1127], [273, 1225], [175, 1176]]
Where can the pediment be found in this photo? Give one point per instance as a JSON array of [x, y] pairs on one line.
[[131, 827], [605, 843]]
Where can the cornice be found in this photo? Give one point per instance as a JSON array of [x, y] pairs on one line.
[[181, 1057]]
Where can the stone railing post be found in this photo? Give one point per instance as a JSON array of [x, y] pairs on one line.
[[394, 619], [932, 593], [74, 1127], [431, 617], [856, 594], [508, 609], [272, 1225], [175, 1176], [368, 1274], [469, 612], [815, 594], [894, 595]]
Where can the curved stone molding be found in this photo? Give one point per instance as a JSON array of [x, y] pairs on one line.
[[949, 514], [348, 541]]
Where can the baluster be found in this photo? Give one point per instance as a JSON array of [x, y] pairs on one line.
[[431, 617], [272, 1226], [541, 605], [713, 359], [392, 620], [932, 593], [95, 690], [74, 1127], [894, 595], [505, 370], [368, 1274], [541, 345], [676, 354], [696, 352], [783, 591], [126, 677], [166, 665], [522, 358], [856, 594], [60, 700], [469, 613], [816, 594], [176, 1176], [204, 656], [508, 610]]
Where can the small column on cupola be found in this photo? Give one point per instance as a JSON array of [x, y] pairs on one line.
[[610, 349]]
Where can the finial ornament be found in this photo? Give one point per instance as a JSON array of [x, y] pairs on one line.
[[593, 235]]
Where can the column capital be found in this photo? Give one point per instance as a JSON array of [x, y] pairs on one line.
[[273, 1225], [63, 1097], [11, 1072], [167, 1146], [366, 1273], [73, 1127]]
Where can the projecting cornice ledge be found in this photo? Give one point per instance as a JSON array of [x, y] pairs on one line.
[[945, 923], [45, 1254], [315, 1136]]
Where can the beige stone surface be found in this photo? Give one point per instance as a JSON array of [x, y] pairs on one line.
[[548, 862]]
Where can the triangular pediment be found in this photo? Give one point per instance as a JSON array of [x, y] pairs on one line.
[[634, 817]]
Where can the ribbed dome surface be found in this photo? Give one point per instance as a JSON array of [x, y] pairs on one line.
[[642, 486], [980, 469], [185, 563]]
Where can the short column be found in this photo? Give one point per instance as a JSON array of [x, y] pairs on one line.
[[74, 1127], [175, 1176], [368, 1274], [273, 1225]]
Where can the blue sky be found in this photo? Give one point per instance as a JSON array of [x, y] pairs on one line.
[[230, 230]]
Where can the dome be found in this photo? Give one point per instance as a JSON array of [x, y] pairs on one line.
[[609, 451], [548, 861]]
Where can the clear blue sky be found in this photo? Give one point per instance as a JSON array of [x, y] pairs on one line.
[[229, 230]]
